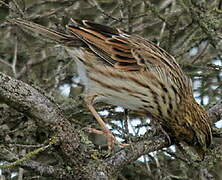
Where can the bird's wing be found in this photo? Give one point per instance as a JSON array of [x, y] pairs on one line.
[[119, 50], [131, 53]]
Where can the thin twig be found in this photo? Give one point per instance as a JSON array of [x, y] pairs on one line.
[[147, 165], [4, 62], [13, 66], [161, 33], [200, 53], [18, 7], [2, 2], [95, 4], [29, 155]]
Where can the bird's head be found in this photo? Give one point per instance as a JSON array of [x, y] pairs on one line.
[[198, 121]]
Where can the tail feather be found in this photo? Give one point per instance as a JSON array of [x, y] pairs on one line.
[[46, 32]]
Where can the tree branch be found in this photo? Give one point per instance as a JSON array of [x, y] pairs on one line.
[[133, 152], [215, 112], [31, 102], [47, 114], [43, 169]]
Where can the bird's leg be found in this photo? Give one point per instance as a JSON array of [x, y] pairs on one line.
[[105, 129], [111, 140]]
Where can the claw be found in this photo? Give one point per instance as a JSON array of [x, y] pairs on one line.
[[111, 140]]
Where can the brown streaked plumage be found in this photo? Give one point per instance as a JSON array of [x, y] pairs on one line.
[[132, 72]]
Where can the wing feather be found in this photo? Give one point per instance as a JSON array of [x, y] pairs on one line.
[[131, 53], [134, 62], [122, 52]]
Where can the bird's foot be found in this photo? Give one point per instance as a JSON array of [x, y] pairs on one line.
[[111, 140]]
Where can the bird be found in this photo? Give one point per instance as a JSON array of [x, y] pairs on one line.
[[132, 72]]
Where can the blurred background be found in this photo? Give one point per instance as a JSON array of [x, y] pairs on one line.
[[189, 30]]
